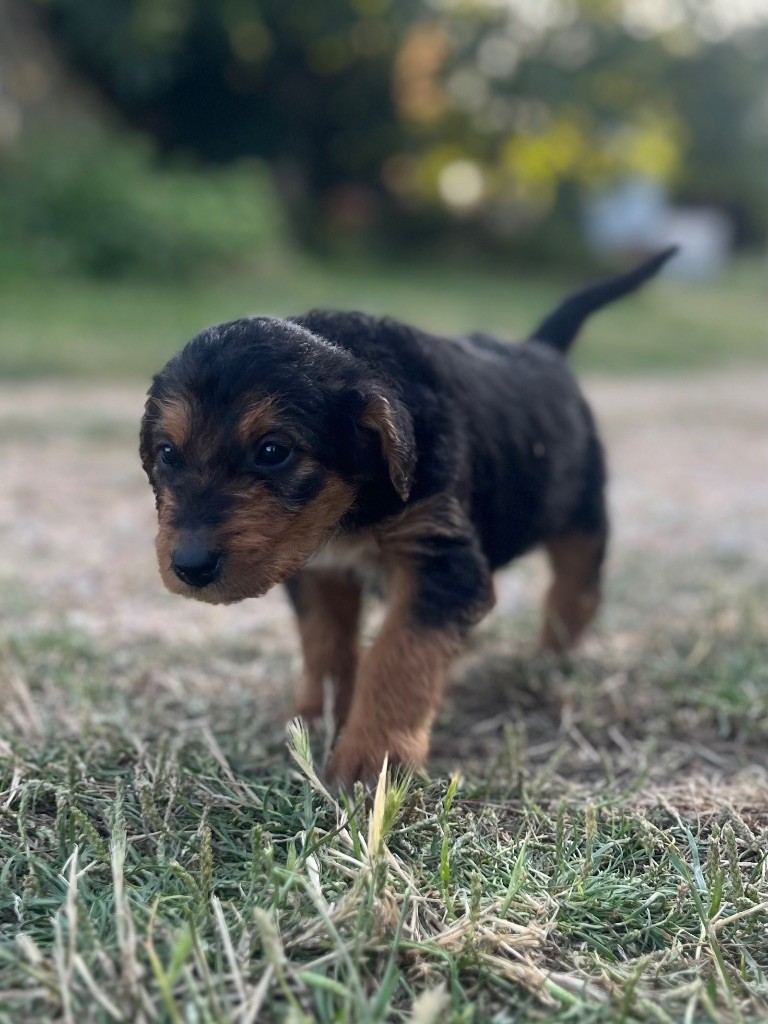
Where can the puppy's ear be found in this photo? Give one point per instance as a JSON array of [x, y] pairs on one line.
[[387, 415]]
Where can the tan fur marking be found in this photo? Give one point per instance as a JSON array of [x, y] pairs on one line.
[[397, 692], [257, 421], [175, 420], [328, 625], [574, 594], [165, 541]]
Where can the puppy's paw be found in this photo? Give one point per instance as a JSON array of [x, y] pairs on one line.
[[359, 758], [316, 709], [310, 711]]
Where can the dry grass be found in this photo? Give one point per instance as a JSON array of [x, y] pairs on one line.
[[162, 861]]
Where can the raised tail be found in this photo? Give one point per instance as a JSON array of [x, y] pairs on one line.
[[560, 328]]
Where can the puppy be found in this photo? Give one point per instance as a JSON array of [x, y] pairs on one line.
[[334, 452]]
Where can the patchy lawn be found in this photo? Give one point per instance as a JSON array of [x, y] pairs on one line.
[[602, 857]]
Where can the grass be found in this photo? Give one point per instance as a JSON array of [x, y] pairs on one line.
[[162, 860], [85, 328]]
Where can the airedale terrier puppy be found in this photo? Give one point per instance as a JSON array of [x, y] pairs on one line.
[[334, 452]]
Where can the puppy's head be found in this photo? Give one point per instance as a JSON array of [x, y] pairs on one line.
[[257, 438]]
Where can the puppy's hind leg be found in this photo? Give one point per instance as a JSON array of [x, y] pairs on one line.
[[576, 555], [327, 608], [574, 594]]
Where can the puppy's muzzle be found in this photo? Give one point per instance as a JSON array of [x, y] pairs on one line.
[[195, 562]]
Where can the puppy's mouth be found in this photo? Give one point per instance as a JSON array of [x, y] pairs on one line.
[[220, 594]]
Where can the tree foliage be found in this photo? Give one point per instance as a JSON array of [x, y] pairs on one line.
[[398, 118]]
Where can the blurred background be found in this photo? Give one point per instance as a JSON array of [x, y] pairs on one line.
[[168, 163], [461, 164]]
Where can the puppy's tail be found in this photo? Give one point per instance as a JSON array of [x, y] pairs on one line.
[[560, 328]]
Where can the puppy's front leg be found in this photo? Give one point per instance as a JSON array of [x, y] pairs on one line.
[[397, 692], [328, 611], [433, 597]]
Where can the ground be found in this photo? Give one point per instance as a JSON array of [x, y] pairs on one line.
[[600, 857]]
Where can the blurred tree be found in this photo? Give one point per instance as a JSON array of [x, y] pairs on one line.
[[540, 98], [304, 84], [409, 119]]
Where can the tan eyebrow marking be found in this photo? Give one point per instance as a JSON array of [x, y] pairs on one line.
[[257, 420], [176, 419]]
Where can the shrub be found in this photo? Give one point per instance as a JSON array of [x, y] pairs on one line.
[[101, 204]]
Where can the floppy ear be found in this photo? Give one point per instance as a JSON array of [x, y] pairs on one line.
[[392, 422]]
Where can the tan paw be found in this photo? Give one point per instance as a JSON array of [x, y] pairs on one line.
[[310, 711], [360, 758]]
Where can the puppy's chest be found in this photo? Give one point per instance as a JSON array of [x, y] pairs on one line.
[[358, 557]]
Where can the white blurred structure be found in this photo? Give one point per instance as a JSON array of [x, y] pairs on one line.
[[637, 215]]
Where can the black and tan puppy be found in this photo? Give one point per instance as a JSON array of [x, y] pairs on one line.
[[333, 449]]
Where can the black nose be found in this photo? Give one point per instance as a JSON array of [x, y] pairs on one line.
[[194, 563]]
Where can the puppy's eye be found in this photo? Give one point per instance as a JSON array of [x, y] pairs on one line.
[[168, 453], [272, 453]]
